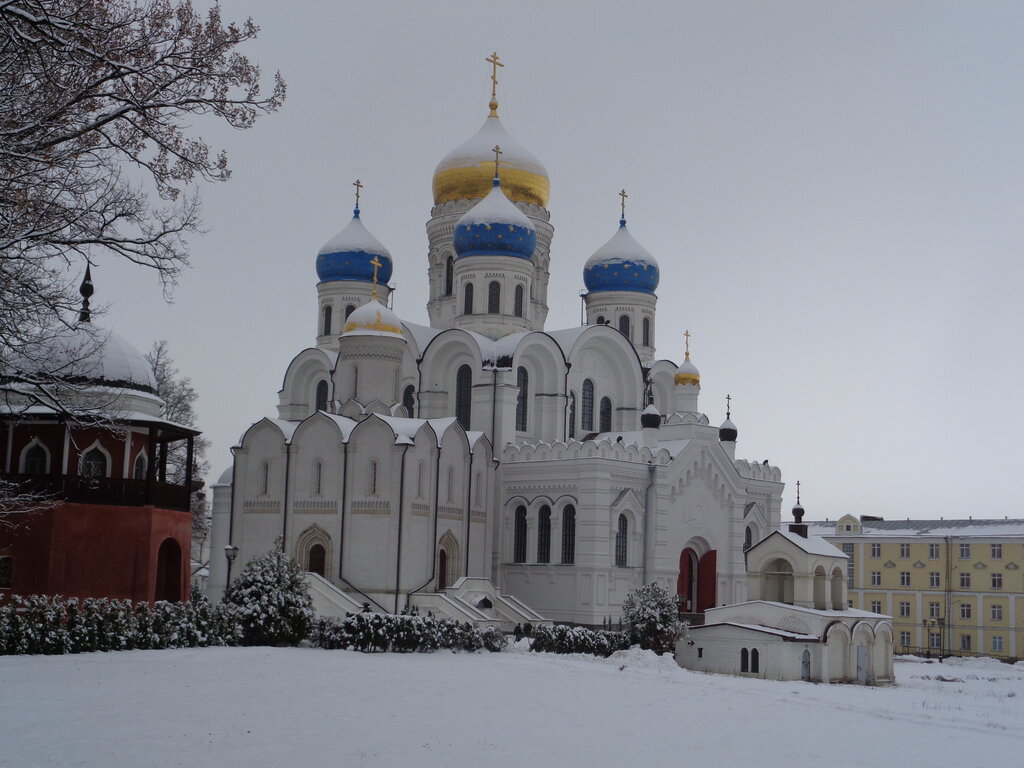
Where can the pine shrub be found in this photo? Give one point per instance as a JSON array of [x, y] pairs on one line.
[[269, 602], [650, 616]]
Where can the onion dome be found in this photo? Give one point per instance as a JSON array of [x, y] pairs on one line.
[[687, 373], [494, 227], [350, 254], [650, 418], [621, 264], [373, 319], [727, 433], [465, 172], [798, 509]]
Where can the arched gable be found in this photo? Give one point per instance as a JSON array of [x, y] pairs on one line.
[[661, 378], [606, 358], [297, 396]]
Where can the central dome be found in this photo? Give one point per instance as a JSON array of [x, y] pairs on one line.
[[466, 172]]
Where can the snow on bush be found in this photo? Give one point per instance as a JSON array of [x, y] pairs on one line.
[[380, 632], [269, 603], [566, 639], [651, 618]]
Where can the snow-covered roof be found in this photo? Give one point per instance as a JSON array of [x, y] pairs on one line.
[[786, 635], [902, 528], [355, 237], [495, 208], [812, 545]]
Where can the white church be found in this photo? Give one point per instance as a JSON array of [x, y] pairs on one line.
[[483, 466]]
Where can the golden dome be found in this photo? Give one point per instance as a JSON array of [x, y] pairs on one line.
[[467, 172]]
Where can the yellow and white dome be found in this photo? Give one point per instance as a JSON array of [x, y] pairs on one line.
[[373, 319]]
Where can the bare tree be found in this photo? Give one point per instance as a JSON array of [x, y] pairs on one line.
[[95, 156]]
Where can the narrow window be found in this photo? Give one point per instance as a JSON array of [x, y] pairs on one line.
[[6, 572], [587, 417], [467, 302], [904, 578], [318, 473], [139, 470], [449, 274], [933, 610], [523, 382], [647, 331], [264, 477], [997, 643], [494, 297], [35, 460], [876, 550], [409, 400], [755, 660], [965, 642], [606, 415], [373, 478], [349, 310], [519, 542], [621, 541], [464, 395], [904, 551], [997, 551], [965, 581], [544, 535], [997, 612], [997, 581], [965, 551], [518, 309], [965, 610], [572, 414], [327, 319], [321, 396], [624, 325], [94, 464], [569, 535], [744, 660], [748, 539], [933, 551]]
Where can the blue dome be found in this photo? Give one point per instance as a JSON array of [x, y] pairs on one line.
[[348, 254], [495, 227], [621, 264]]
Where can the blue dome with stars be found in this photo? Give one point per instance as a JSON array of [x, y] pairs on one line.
[[348, 255], [495, 227], [621, 264]]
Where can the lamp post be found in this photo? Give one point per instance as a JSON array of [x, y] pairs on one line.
[[230, 552]]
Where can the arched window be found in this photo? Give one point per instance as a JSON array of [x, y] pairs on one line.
[[449, 274], [317, 559], [467, 303], [464, 395], [754, 661], [6, 572], [624, 325], [544, 535], [93, 464], [572, 414], [646, 332], [139, 470], [621, 541], [409, 400], [327, 319], [519, 540], [264, 477], [318, 477], [600, 320], [606, 415], [321, 395], [349, 310], [523, 382], [372, 479], [35, 460], [569, 534], [494, 297], [519, 301], [748, 539], [587, 416], [420, 469], [744, 660]]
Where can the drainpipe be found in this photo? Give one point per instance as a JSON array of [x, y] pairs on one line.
[[401, 501], [647, 517], [469, 508], [565, 404], [433, 557], [287, 473], [494, 402]]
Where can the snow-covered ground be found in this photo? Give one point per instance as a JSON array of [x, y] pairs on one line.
[[227, 707]]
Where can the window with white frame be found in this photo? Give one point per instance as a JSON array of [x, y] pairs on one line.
[[997, 612], [997, 581], [965, 610], [933, 610], [904, 578], [904, 638], [934, 579], [934, 640], [997, 643], [904, 609], [965, 551], [965, 642], [965, 581], [904, 551], [876, 550], [933, 551], [997, 551], [876, 606], [876, 578]]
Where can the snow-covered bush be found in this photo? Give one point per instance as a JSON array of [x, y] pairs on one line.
[[379, 632], [650, 617], [269, 602], [566, 639]]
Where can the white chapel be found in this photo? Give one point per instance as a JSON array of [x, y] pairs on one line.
[[484, 466]]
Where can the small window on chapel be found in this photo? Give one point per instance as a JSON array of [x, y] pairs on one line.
[[35, 460], [93, 464]]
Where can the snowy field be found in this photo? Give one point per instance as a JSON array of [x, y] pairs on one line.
[[227, 707]]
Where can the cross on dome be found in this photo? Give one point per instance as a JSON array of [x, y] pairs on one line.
[[495, 63], [728, 406], [358, 185], [497, 158], [377, 264], [623, 195], [687, 335]]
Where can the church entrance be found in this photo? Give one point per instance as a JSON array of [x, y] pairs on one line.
[[168, 572], [317, 559], [695, 586], [442, 570]]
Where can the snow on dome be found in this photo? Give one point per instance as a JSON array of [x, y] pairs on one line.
[[687, 373], [494, 227], [373, 319], [465, 173], [348, 255], [650, 417], [728, 432], [621, 264]]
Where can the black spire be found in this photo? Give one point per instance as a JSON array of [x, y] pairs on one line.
[[86, 289]]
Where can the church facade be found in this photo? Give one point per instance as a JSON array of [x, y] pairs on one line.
[[564, 467]]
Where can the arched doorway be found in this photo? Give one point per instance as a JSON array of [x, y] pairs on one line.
[[442, 570], [686, 584], [778, 581], [317, 560], [168, 572]]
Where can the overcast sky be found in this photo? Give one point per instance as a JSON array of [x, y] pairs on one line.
[[833, 192]]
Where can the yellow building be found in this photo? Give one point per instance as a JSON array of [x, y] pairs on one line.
[[952, 586]]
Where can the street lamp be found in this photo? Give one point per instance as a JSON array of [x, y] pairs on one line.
[[230, 552]]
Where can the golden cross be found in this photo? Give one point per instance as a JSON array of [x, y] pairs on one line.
[[623, 195], [687, 335], [358, 185], [497, 153], [376, 265], [493, 61]]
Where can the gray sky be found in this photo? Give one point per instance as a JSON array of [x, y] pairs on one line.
[[833, 192]]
